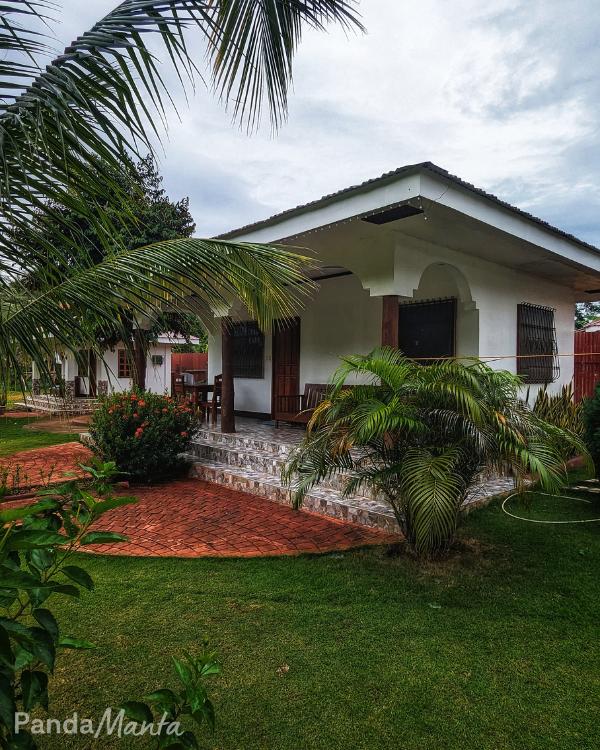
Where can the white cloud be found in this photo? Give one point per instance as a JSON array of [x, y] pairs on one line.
[[507, 98]]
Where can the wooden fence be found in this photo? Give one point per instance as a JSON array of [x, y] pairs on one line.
[[192, 362], [587, 363]]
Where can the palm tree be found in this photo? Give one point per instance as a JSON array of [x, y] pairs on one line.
[[421, 435], [67, 127]]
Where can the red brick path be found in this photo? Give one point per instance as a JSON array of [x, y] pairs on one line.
[[192, 518], [44, 465]]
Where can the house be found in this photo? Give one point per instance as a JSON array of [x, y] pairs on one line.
[[77, 384], [592, 326], [419, 259]]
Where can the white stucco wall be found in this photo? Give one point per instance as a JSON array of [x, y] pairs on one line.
[[495, 292], [158, 379], [341, 318]]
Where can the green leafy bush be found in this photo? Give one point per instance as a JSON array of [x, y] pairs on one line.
[[591, 421], [37, 564], [560, 409], [143, 433], [37, 543], [420, 437]]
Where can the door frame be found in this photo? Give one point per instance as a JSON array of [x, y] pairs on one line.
[[291, 322]]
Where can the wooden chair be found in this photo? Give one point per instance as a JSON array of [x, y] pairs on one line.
[[299, 408], [177, 388], [213, 404]]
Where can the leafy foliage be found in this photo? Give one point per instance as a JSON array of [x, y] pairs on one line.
[[36, 549], [70, 126], [190, 701], [585, 312], [419, 436], [36, 564], [143, 433], [591, 421], [560, 409]]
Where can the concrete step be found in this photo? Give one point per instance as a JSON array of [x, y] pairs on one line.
[[254, 460], [244, 442], [321, 499], [54, 405]]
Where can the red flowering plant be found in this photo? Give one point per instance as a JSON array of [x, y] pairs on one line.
[[145, 434]]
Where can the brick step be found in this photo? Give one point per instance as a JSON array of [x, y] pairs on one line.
[[322, 500]]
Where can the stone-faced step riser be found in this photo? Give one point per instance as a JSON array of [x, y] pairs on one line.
[[262, 462], [243, 442], [282, 495]]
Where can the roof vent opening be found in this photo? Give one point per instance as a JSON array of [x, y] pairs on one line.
[[393, 214]]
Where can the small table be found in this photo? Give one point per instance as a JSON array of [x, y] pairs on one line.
[[198, 393]]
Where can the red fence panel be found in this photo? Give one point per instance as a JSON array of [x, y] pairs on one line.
[[189, 362], [587, 363]]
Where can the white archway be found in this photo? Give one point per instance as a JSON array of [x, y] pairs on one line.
[[442, 280]]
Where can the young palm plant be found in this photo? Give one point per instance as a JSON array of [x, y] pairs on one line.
[[419, 436], [69, 123]]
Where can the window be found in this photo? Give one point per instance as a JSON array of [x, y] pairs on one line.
[[427, 329], [248, 350], [536, 344], [124, 363]]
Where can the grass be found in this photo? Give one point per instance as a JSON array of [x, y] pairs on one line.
[[496, 647], [14, 437]]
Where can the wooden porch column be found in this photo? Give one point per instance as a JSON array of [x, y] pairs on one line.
[[227, 392], [389, 320]]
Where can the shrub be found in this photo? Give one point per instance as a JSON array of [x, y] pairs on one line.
[[143, 433], [560, 409], [36, 567], [591, 421], [420, 436]]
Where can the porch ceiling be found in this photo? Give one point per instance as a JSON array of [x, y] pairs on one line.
[[443, 226]]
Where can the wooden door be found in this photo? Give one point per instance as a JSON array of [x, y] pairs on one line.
[[286, 363]]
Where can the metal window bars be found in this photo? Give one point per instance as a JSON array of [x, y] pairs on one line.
[[537, 360]]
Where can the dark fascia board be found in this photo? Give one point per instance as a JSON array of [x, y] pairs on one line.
[[392, 176]]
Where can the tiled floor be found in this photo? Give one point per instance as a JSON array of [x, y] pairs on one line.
[[191, 518]]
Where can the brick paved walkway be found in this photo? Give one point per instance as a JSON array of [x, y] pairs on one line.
[[192, 518], [40, 466]]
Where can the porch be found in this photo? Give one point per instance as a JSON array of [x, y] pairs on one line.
[[250, 460], [52, 404]]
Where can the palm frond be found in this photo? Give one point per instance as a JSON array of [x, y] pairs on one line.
[[422, 434], [432, 491], [63, 134]]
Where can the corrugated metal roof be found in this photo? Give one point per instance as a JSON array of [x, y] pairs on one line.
[[387, 177]]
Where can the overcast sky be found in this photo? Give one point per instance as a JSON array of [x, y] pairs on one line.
[[506, 96]]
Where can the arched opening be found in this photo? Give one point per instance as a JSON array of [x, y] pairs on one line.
[[442, 281]]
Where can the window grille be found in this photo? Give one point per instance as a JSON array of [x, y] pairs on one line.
[[248, 350], [427, 329], [537, 360], [124, 363]]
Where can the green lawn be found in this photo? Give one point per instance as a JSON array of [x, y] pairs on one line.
[[497, 647], [14, 437]]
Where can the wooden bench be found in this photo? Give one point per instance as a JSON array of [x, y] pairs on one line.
[[299, 408]]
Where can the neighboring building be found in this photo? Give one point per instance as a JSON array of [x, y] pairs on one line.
[[422, 260], [592, 326], [109, 374]]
